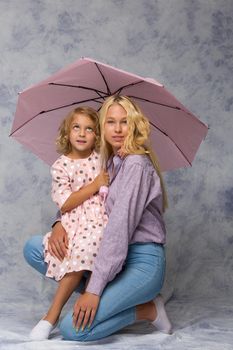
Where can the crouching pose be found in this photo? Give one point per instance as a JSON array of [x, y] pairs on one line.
[[128, 272]]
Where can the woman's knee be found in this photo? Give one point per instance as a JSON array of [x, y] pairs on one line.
[[30, 247]]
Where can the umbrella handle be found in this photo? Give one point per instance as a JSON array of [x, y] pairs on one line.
[[103, 192]]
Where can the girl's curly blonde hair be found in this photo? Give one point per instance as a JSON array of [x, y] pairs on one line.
[[137, 140], [63, 144]]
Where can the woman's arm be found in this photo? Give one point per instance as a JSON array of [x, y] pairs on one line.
[[134, 194]]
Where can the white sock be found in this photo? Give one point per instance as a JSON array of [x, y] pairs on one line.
[[41, 331], [161, 322]]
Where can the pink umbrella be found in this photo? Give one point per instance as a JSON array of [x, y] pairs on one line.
[[176, 133]]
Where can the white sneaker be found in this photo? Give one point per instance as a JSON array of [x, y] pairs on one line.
[[161, 322], [42, 330]]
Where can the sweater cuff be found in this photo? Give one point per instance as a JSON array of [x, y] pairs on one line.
[[57, 219], [96, 285]]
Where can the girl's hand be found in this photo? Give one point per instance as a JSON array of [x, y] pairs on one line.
[[85, 310], [102, 179], [58, 242]]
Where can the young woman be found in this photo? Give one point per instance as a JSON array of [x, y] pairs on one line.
[[129, 270]]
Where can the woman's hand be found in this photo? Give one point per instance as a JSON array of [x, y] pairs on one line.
[[121, 152], [85, 309], [58, 242]]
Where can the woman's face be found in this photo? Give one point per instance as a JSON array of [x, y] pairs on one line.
[[115, 126]]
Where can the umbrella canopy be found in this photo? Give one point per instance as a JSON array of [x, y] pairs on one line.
[[176, 133]]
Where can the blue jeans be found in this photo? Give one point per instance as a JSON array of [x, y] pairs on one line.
[[140, 280]]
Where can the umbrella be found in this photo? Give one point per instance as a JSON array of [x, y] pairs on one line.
[[176, 133]]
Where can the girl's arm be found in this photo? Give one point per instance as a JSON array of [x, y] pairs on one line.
[[78, 197], [62, 193]]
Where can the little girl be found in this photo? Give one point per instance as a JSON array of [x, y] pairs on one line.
[[76, 180]]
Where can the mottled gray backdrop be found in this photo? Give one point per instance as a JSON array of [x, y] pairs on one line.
[[188, 46]]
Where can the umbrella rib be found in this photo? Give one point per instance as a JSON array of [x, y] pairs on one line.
[[99, 92], [117, 92], [102, 75], [156, 103], [54, 109], [143, 99], [164, 133]]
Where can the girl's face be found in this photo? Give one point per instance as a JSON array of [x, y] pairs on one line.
[[115, 126], [82, 135]]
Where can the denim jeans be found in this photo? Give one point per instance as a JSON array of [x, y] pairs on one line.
[[139, 281]]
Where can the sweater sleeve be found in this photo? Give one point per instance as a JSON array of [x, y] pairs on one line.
[[57, 218], [125, 216]]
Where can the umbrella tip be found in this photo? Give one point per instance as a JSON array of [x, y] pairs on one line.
[[151, 80]]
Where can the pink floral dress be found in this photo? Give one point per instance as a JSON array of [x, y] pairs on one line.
[[84, 224]]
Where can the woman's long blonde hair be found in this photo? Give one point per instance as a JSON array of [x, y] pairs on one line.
[[137, 140]]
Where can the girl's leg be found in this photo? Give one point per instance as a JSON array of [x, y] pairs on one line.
[[66, 287], [34, 255], [139, 282]]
